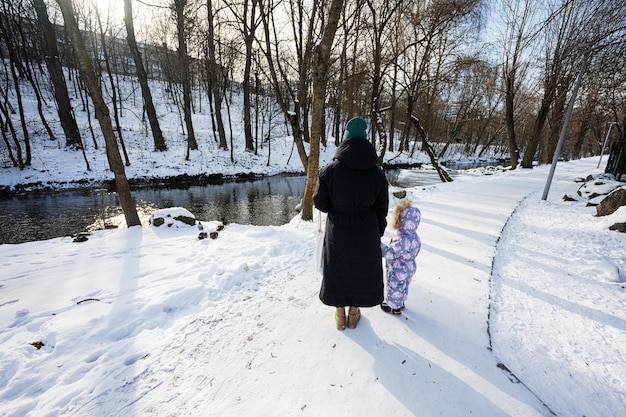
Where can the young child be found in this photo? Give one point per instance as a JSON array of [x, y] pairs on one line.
[[400, 256]]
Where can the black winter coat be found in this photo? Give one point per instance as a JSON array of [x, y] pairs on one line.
[[354, 193]]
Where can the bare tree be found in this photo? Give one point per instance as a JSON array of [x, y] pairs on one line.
[[6, 125], [215, 75], [382, 14], [57, 78], [17, 71], [348, 92], [574, 28], [290, 75], [102, 114], [247, 21], [609, 94], [443, 174], [114, 88], [21, 49], [180, 10], [319, 68], [157, 134], [467, 101], [432, 42], [558, 35], [517, 16]]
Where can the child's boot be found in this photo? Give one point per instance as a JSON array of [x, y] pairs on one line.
[[388, 309], [354, 315], [340, 318]]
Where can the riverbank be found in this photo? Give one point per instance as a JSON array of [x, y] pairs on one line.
[[58, 168], [55, 167], [177, 181]]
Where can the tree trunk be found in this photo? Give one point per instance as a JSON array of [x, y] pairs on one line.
[[157, 134], [114, 89], [183, 66], [13, 62], [517, 14], [57, 78], [533, 143], [102, 114], [443, 174], [509, 114], [18, 161], [215, 77], [5, 138], [556, 122], [247, 102], [376, 121], [319, 69]]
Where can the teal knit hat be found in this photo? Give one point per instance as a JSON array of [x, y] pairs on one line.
[[356, 128]]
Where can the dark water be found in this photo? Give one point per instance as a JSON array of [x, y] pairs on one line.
[[261, 202], [417, 177], [40, 216], [406, 178]]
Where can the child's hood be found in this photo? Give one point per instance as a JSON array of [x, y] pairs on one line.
[[411, 217]]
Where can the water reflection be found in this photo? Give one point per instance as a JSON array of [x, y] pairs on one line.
[[39, 216], [427, 175], [407, 178], [262, 202]]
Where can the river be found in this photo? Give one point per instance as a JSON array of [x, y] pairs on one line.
[[44, 215], [263, 202]]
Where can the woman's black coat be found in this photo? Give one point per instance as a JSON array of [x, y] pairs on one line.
[[354, 193]]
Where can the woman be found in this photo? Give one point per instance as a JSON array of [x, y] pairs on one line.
[[354, 193]]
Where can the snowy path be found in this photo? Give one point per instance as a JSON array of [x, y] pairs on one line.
[[288, 359], [449, 300]]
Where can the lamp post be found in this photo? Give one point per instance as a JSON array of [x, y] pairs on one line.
[[557, 152], [605, 140]]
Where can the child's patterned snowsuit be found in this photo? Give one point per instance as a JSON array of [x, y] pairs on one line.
[[400, 256]]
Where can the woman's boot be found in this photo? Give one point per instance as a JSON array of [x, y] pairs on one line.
[[340, 318], [354, 315]]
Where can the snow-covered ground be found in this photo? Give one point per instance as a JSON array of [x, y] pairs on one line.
[[156, 322], [518, 307]]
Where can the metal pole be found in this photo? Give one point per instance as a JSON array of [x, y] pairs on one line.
[[605, 140], [557, 152]]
